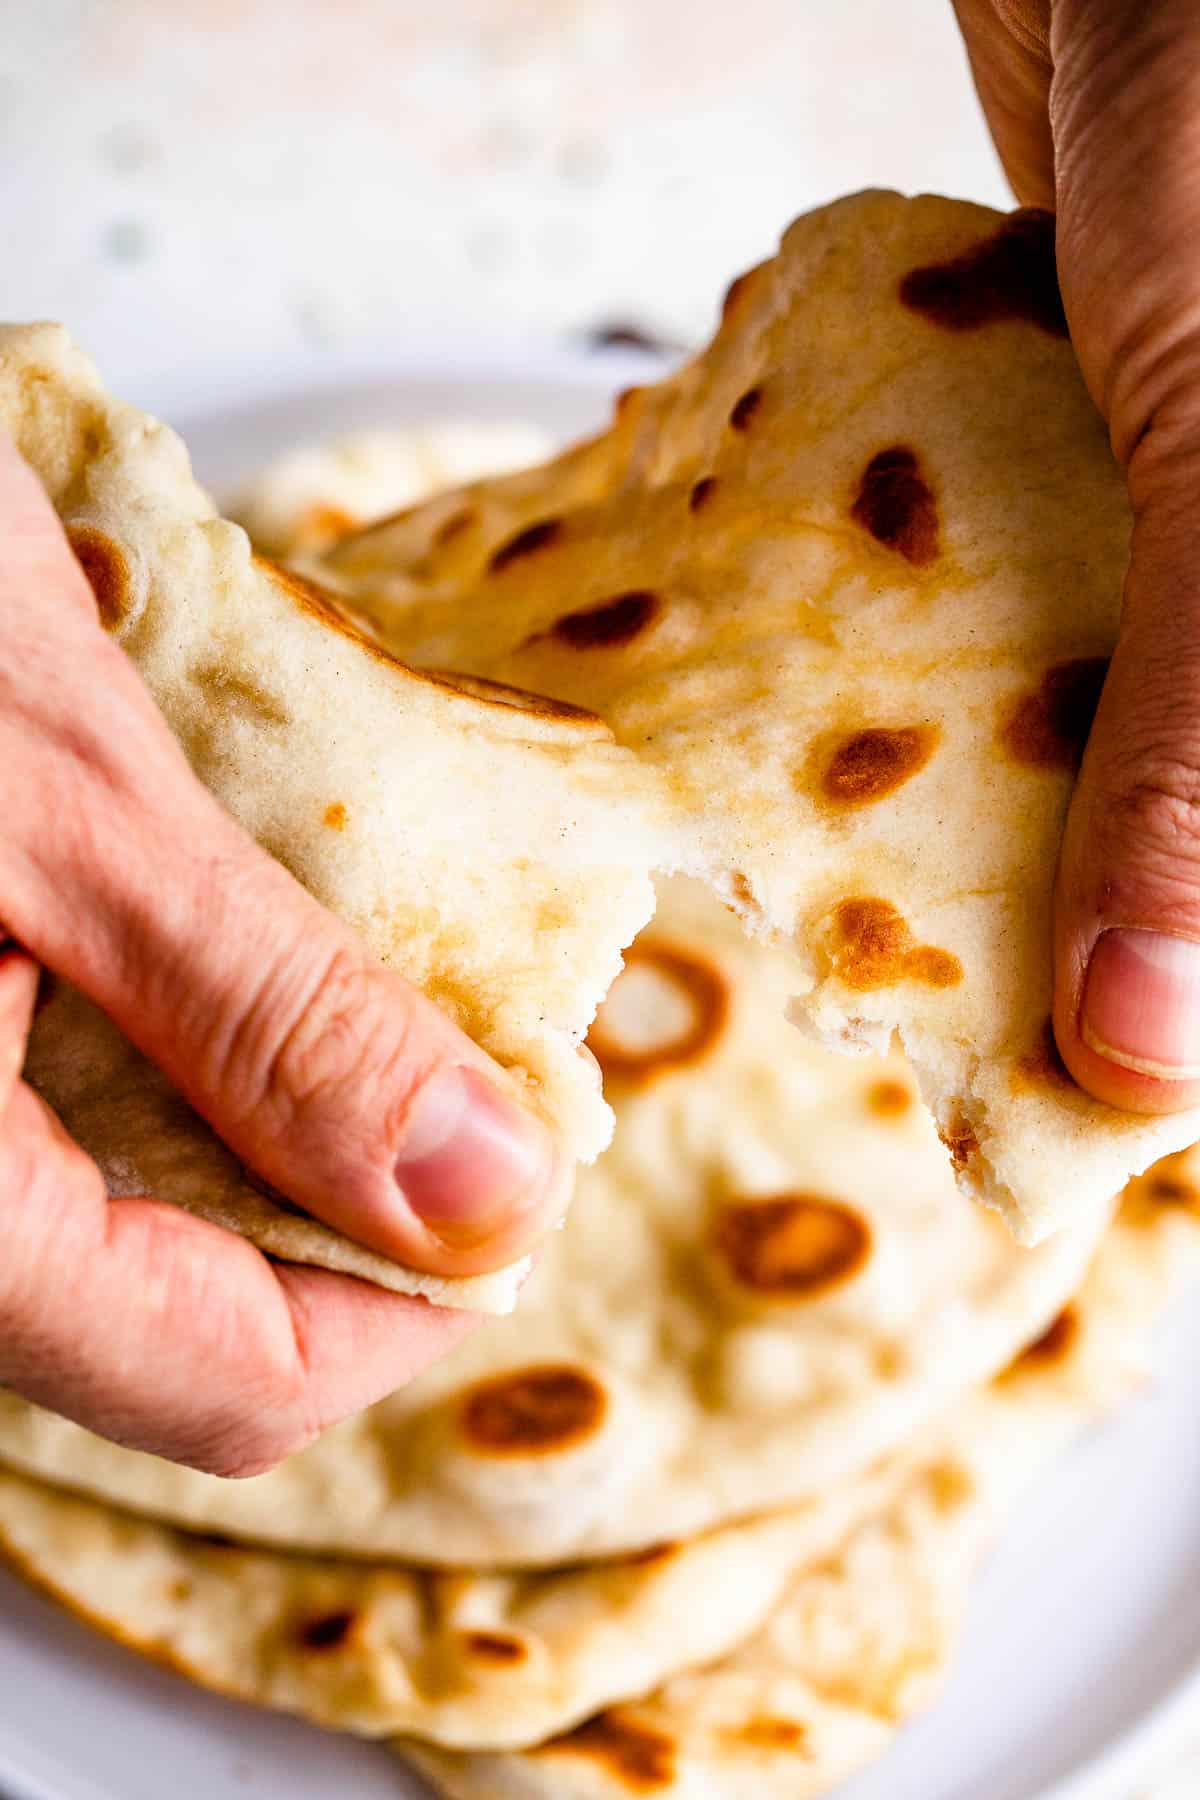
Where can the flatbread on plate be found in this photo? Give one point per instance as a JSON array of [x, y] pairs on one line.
[[848, 1608], [860, 1643]]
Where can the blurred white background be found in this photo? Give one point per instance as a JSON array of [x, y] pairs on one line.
[[225, 181]]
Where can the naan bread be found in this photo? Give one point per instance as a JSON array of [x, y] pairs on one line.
[[855, 1599], [767, 1283], [462, 1659], [861, 1643], [492, 847], [308, 498], [849, 580]]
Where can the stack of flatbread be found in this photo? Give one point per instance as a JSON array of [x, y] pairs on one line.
[[801, 650], [700, 1519]]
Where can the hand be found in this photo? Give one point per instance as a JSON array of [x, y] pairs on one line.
[[1095, 109], [327, 1074]]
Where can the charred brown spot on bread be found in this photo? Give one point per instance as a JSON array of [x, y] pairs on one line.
[[705, 993], [236, 693], [932, 967], [640, 1756], [328, 1632], [104, 563], [768, 1732], [889, 1099], [1054, 1344], [529, 1412], [745, 409], [949, 1486], [453, 527], [1042, 1065], [335, 816], [895, 504], [527, 542], [611, 623], [1049, 728], [1173, 1193], [1168, 1183], [792, 1244], [495, 1647], [872, 947], [1010, 275], [961, 1142], [868, 764], [871, 941], [702, 492], [516, 699]]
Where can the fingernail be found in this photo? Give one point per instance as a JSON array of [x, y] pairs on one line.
[[1141, 1003], [470, 1157]]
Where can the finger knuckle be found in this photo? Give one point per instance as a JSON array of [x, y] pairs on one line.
[[1160, 808], [352, 1048], [296, 1036]]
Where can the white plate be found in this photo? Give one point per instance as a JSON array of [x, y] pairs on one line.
[[1083, 1647]]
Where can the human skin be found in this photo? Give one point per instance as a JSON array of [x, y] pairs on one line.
[[1094, 106], [329, 1075]]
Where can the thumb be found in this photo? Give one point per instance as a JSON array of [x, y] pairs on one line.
[[1127, 1004], [330, 1076], [1126, 98]]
